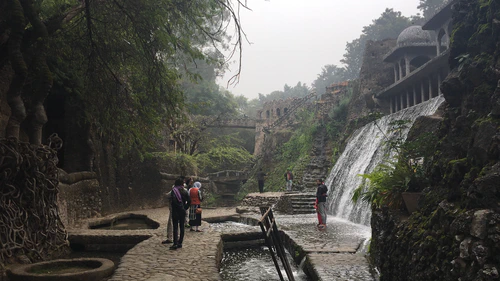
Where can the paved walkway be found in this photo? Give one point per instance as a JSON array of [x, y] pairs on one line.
[[150, 260], [332, 258]]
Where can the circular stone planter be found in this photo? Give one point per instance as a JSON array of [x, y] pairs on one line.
[[82, 269]]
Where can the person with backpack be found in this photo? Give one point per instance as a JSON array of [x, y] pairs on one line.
[[180, 203]]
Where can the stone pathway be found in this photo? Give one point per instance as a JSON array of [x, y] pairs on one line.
[[150, 260], [332, 259]]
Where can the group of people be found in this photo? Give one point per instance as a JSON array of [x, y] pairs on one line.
[[288, 180], [185, 206], [321, 194], [185, 195]]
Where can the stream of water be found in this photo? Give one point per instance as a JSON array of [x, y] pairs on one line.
[[364, 151]]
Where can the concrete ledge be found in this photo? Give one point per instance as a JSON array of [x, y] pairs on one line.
[[118, 243]]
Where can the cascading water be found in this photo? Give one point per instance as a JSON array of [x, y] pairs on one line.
[[364, 151]]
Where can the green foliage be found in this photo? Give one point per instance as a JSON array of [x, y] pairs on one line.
[[298, 91], [300, 144], [203, 95], [329, 74], [224, 158], [383, 186], [337, 117], [388, 25], [178, 163], [211, 200], [124, 65], [429, 7]]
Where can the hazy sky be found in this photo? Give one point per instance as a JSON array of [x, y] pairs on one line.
[[293, 39]]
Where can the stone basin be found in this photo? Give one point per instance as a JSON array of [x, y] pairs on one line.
[[125, 222], [82, 269]]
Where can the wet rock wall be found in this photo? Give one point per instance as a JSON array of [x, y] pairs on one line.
[[456, 233]]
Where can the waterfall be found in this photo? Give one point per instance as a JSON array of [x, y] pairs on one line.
[[364, 151]]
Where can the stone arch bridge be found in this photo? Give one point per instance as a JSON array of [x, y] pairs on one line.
[[227, 183]]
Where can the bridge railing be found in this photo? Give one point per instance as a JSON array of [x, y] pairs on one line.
[[228, 173]]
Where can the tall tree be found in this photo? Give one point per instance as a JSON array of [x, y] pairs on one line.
[[329, 74], [429, 7], [388, 25], [119, 59]]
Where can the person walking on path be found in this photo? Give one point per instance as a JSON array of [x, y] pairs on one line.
[[195, 208], [260, 180], [289, 180], [321, 194], [170, 235], [180, 203]]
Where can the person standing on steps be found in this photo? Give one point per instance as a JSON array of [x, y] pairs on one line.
[[260, 180], [289, 180], [321, 194], [180, 203]]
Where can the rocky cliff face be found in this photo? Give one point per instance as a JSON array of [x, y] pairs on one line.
[[456, 233], [374, 76]]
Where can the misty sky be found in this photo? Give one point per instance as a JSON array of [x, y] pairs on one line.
[[293, 39]]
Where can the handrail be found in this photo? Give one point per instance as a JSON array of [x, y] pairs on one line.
[[294, 107], [271, 233]]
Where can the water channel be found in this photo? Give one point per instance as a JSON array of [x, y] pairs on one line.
[[255, 263]]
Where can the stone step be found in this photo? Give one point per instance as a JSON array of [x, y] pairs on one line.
[[304, 211], [304, 200], [304, 207], [301, 194], [309, 203]]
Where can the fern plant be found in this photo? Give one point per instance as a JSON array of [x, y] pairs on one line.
[[383, 186]]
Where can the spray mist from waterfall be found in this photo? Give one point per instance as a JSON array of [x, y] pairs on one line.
[[364, 151]]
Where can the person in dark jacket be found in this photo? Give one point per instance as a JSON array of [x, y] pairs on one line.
[[260, 180], [180, 203], [321, 194]]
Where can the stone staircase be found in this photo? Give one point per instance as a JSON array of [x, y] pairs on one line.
[[320, 165], [302, 203]]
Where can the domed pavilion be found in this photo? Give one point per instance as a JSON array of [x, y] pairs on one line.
[[420, 61]]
